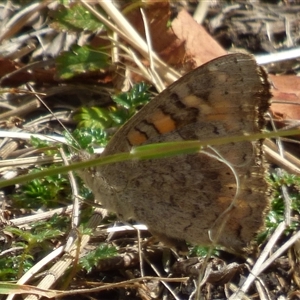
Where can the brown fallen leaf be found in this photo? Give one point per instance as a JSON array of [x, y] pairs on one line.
[[286, 89], [199, 46], [183, 44]]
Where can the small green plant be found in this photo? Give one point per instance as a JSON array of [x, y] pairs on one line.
[[80, 60], [74, 18], [38, 143], [30, 242], [50, 191], [8, 265], [44, 146], [56, 222], [126, 106], [276, 214], [201, 251], [87, 138], [103, 251]]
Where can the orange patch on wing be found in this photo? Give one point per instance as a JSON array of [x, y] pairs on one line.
[[136, 138], [162, 122]]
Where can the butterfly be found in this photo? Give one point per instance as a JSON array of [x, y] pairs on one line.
[[219, 195]]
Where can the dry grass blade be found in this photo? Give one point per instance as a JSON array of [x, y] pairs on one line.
[[129, 34], [288, 162], [25, 221], [257, 268], [13, 25]]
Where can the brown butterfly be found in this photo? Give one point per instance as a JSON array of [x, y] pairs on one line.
[[219, 195]]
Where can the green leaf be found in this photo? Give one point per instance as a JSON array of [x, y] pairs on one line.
[[74, 18], [38, 143], [80, 60], [94, 117], [89, 137], [47, 191], [201, 251], [135, 98], [102, 252]]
